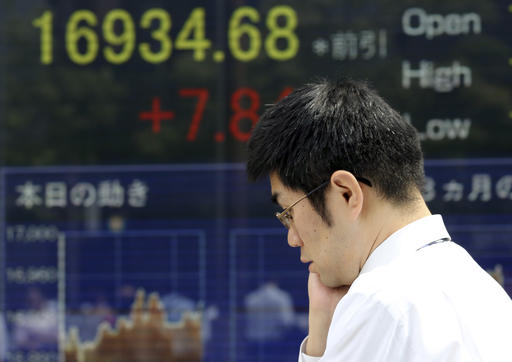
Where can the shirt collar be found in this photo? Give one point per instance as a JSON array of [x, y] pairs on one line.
[[406, 240]]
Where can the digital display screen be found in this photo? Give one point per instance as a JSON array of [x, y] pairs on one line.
[[129, 230]]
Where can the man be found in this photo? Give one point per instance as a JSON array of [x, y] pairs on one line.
[[386, 282]]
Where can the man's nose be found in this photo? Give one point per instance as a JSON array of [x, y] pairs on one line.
[[294, 239]]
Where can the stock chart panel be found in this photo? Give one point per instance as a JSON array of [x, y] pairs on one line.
[[129, 230]]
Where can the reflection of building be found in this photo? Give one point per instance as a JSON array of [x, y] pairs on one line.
[[497, 274], [269, 313], [144, 337], [36, 329], [90, 315], [3, 339], [177, 306]]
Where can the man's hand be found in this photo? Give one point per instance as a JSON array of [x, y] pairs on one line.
[[322, 303]]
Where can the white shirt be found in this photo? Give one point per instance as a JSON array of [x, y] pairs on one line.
[[431, 304]]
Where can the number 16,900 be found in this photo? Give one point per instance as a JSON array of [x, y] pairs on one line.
[[118, 29]]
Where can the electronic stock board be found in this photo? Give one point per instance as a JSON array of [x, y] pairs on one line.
[[125, 209]]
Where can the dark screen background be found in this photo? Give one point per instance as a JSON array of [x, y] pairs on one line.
[[100, 199]]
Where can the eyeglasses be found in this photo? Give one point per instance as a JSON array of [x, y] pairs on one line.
[[285, 217]]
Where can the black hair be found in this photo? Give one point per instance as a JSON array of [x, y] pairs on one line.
[[336, 125]]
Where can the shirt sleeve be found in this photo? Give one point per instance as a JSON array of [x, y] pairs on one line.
[[383, 327], [303, 357], [367, 330]]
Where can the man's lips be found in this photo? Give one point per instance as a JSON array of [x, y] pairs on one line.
[[306, 261]]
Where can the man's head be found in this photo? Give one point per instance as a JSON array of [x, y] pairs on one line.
[[335, 133], [329, 126]]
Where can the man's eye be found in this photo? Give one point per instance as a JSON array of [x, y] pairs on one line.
[[288, 216]]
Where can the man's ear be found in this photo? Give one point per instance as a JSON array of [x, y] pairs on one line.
[[345, 184]]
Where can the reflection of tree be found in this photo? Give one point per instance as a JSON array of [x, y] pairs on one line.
[[65, 113], [485, 102]]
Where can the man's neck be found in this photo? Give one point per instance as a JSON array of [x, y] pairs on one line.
[[389, 218]]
